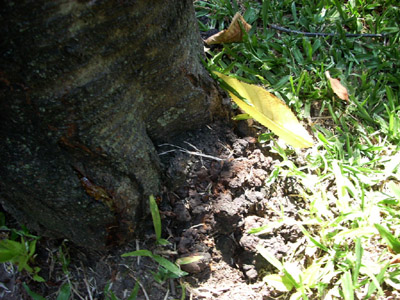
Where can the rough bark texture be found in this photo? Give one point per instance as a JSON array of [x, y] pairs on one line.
[[87, 87]]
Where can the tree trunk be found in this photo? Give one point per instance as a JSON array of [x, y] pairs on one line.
[[87, 87]]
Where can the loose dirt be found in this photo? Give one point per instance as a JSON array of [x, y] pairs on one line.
[[215, 191]]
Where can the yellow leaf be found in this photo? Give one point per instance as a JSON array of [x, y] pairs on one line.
[[270, 111], [232, 34], [337, 87], [188, 259], [278, 282]]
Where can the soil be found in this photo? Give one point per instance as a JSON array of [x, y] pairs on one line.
[[215, 191], [213, 201]]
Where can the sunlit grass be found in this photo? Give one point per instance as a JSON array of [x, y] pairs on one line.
[[350, 179]]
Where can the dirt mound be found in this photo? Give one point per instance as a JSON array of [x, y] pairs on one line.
[[215, 191]]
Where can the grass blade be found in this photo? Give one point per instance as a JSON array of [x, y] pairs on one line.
[[155, 214], [65, 292], [389, 238], [183, 297], [280, 283], [31, 293], [161, 260], [376, 281], [135, 292], [138, 253], [270, 257], [169, 265], [359, 253], [314, 241], [347, 286]]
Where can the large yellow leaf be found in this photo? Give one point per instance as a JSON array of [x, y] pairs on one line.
[[269, 110]]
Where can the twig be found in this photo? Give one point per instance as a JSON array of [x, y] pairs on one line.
[[166, 295], [322, 118], [197, 225], [315, 34], [172, 285], [190, 152], [166, 152], [227, 148], [88, 288], [138, 248], [204, 155], [85, 280], [198, 151], [74, 290], [140, 284], [193, 146]]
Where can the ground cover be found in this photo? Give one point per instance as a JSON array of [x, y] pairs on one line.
[[269, 221]]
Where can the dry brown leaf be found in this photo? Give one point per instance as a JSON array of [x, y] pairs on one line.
[[395, 260], [233, 34], [337, 87]]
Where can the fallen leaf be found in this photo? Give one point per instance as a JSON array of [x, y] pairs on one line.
[[233, 34], [337, 87], [395, 260], [188, 259], [269, 110]]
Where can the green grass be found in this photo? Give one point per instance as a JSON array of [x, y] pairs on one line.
[[167, 269], [350, 178], [19, 249]]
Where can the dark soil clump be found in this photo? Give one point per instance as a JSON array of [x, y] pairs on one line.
[[216, 191]]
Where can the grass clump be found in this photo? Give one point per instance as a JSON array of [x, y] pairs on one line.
[[167, 268], [350, 179], [19, 249]]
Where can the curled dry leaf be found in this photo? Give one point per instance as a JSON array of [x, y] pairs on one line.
[[395, 260], [269, 110], [233, 34], [337, 87]]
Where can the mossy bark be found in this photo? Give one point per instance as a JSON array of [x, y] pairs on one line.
[[87, 88]]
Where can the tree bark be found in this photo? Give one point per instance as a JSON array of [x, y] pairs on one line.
[[87, 88]]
